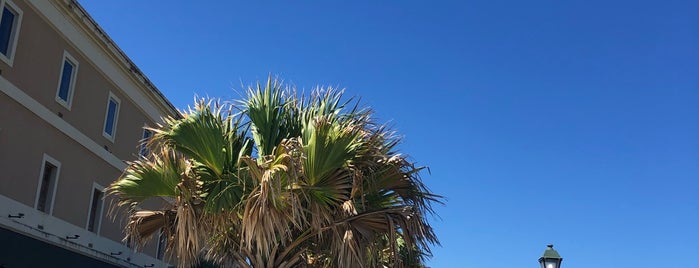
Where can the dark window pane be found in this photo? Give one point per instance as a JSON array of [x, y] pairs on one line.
[[146, 136], [95, 210], [111, 115], [64, 89], [45, 188], [6, 23]]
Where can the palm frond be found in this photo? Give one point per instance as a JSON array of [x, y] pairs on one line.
[[200, 135], [292, 180], [272, 212], [143, 224], [147, 178], [265, 109]]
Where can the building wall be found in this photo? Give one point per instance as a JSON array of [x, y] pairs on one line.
[[36, 70], [34, 124]]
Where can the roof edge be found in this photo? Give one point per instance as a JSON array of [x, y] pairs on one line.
[[121, 57]]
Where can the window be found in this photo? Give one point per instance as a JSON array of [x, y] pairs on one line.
[[96, 204], [10, 20], [111, 117], [144, 151], [47, 184], [162, 245], [66, 80]]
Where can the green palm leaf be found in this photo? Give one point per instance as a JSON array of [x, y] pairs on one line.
[[289, 181], [146, 179], [200, 135], [265, 109]]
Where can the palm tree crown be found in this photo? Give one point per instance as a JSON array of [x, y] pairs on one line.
[[280, 180]]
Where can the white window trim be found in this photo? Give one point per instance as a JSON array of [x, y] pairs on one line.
[[12, 47], [73, 80], [116, 118], [141, 145], [57, 164], [98, 223], [50, 117]]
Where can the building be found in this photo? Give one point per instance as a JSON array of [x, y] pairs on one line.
[[72, 110]]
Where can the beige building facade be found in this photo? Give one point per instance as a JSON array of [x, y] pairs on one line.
[[72, 111]]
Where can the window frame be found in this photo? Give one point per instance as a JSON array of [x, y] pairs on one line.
[[142, 148], [116, 117], [14, 35], [57, 164], [98, 219], [73, 79]]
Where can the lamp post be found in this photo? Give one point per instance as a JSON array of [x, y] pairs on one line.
[[550, 259]]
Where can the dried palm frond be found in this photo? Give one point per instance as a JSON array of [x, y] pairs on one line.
[[289, 181]]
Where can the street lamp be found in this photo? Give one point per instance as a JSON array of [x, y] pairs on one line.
[[550, 259]]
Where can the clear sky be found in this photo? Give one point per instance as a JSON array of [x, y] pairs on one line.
[[567, 122]]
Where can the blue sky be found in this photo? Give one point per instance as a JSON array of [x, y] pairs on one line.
[[565, 122]]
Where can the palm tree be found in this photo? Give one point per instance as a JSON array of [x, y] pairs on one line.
[[280, 180]]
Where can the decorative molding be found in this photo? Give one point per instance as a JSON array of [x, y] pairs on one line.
[[117, 68], [47, 115]]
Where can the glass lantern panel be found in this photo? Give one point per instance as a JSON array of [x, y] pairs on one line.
[[551, 264]]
